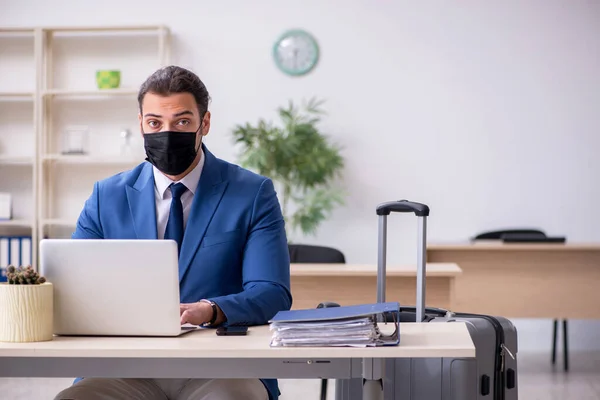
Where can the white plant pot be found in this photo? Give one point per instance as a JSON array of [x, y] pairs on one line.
[[26, 312]]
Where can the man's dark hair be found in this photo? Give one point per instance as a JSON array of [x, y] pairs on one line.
[[172, 79]]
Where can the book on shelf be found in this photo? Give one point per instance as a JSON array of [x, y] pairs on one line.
[[347, 326]]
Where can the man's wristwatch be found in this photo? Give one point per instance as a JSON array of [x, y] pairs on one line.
[[214, 313]]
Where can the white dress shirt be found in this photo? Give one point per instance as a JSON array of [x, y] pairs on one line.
[[162, 195]]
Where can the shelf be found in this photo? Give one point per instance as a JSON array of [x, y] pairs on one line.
[[68, 223], [87, 29], [17, 223], [15, 160], [16, 32], [16, 29], [16, 96], [16, 227], [92, 92], [108, 29], [92, 160]]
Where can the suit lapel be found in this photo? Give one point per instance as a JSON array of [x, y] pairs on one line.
[[142, 206], [208, 196]]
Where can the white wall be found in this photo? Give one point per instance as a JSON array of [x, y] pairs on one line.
[[486, 111]]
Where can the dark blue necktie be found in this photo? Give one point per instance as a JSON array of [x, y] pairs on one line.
[[174, 228]]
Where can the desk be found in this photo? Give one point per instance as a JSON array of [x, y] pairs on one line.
[[357, 284], [525, 280], [202, 354]]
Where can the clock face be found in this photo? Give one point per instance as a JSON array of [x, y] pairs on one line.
[[296, 52]]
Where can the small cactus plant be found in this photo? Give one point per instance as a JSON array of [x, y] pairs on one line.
[[23, 276]]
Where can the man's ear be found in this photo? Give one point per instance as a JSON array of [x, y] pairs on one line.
[[205, 124], [141, 127]]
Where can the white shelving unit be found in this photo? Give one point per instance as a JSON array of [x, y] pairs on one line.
[[18, 128], [49, 75], [90, 93]]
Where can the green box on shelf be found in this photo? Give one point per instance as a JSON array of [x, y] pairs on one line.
[[108, 79]]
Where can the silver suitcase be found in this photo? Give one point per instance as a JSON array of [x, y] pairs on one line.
[[492, 375]]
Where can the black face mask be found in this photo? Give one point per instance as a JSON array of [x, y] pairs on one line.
[[171, 152]]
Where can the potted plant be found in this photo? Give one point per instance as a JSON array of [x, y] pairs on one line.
[[26, 306], [301, 161]]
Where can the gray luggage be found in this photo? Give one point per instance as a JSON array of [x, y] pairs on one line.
[[492, 375]]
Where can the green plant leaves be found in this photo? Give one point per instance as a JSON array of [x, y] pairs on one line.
[[314, 209], [297, 156]]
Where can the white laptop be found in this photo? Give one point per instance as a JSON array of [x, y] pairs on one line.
[[113, 287]]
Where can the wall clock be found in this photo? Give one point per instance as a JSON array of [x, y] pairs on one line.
[[296, 52]]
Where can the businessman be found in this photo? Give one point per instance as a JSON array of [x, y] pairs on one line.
[[227, 222]]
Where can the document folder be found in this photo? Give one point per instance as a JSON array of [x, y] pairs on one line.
[[14, 250], [355, 326]]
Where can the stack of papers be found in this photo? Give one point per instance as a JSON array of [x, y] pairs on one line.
[[351, 326]]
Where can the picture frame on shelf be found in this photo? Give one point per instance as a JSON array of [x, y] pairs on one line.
[[5, 206], [76, 140]]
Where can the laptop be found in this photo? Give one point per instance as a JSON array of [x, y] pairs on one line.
[[105, 287]]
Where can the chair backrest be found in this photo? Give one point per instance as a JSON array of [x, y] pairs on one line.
[[306, 254], [500, 234]]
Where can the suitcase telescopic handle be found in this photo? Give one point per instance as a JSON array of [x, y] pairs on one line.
[[403, 206], [422, 212]]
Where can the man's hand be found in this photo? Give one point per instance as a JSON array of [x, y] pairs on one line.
[[198, 313], [195, 313]]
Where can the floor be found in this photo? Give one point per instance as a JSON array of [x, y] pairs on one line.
[[538, 380]]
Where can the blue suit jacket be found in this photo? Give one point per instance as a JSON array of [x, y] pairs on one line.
[[234, 250]]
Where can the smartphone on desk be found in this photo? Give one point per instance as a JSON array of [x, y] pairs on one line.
[[232, 330]]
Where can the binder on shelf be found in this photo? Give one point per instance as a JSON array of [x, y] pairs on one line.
[[15, 250], [353, 326]]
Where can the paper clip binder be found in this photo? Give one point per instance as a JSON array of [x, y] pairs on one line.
[[354, 326]]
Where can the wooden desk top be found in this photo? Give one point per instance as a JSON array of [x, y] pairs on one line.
[[432, 269], [416, 340], [498, 245]]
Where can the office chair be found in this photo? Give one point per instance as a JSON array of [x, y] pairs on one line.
[[501, 234], [309, 254]]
